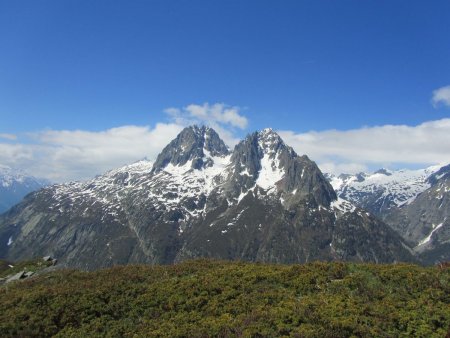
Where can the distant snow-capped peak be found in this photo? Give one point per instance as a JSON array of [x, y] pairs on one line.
[[15, 184], [385, 189], [10, 176]]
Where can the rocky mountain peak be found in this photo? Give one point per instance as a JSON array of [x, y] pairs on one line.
[[262, 161], [263, 202], [192, 144], [269, 135], [270, 141], [259, 155]]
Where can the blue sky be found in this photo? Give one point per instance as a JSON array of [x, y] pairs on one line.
[[297, 66]]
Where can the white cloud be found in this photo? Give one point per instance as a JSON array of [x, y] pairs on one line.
[[223, 118], [10, 137], [441, 96], [389, 145], [15, 154], [62, 155], [219, 113], [344, 167]]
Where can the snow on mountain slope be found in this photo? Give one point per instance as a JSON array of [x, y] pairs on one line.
[[271, 172], [261, 202], [342, 206], [383, 189], [181, 183], [170, 188], [106, 190], [428, 238], [424, 223]]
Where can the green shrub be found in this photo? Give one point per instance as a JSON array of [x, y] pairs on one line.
[[206, 298]]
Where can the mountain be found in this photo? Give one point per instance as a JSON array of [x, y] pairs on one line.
[[14, 185], [384, 189], [415, 203], [259, 202], [425, 221]]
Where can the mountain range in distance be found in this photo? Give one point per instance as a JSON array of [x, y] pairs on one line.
[[259, 202], [15, 184], [415, 203]]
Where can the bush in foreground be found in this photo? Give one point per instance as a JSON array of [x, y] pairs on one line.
[[205, 298]]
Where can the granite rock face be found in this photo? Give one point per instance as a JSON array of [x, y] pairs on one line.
[[264, 160], [192, 144], [260, 202]]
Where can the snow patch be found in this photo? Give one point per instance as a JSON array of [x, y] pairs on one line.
[[270, 172], [428, 238], [244, 193], [245, 172], [342, 205]]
